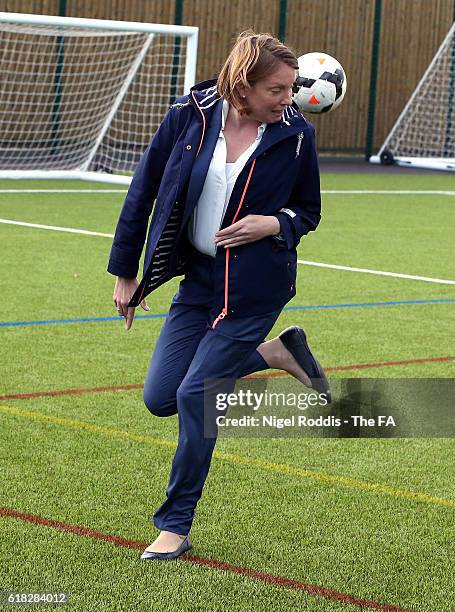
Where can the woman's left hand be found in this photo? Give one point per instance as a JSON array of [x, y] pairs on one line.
[[248, 229]]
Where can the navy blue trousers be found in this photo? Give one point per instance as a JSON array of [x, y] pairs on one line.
[[187, 352]]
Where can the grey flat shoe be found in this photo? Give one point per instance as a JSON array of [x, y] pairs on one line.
[[168, 556], [294, 339]]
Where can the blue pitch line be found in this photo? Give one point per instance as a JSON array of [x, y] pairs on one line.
[[162, 315], [363, 304], [85, 320]]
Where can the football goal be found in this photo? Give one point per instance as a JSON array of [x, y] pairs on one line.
[[424, 134], [82, 98]]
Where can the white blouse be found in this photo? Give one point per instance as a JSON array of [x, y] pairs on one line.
[[209, 212]]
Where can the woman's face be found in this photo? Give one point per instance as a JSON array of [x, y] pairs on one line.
[[268, 97]]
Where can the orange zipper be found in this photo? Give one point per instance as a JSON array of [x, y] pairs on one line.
[[224, 310]]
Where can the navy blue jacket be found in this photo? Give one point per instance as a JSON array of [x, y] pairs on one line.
[[281, 178]]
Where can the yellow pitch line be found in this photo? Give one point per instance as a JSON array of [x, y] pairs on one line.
[[109, 431], [283, 468], [280, 468]]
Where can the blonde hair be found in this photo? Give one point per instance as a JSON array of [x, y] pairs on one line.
[[252, 58]]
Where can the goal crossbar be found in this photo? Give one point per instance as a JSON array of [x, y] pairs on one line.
[[82, 98]]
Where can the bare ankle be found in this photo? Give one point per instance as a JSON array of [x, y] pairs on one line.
[[269, 351]]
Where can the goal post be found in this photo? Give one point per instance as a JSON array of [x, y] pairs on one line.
[[424, 134], [82, 98]]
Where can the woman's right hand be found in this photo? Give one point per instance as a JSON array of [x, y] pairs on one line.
[[123, 292]]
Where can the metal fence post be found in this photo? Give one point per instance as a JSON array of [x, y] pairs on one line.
[[373, 79]]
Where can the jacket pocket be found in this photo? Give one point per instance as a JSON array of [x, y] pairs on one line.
[[261, 274]]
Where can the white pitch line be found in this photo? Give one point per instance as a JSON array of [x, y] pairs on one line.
[[63, 190], [300, 261], [428, 279], [388, 192], [56, 228], [324, 191]]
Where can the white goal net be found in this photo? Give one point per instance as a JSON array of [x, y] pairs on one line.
[[424, 133], [82, 98]]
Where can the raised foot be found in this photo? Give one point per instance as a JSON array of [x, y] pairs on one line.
[[278, 357], [290, 364]]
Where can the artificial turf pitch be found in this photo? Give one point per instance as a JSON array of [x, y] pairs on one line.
[[326, 524]]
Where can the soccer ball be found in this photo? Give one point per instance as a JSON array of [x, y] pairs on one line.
[[321, 84]]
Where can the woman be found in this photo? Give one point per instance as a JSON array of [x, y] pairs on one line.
[[234, 172]]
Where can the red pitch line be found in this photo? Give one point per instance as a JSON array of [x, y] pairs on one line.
[[280, 581], [69, 392], [361, 366], [355, 366]]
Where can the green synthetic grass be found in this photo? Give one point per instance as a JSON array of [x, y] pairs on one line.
[[381, 545]]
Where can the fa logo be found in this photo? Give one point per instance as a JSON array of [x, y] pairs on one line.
[[387, 421]]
